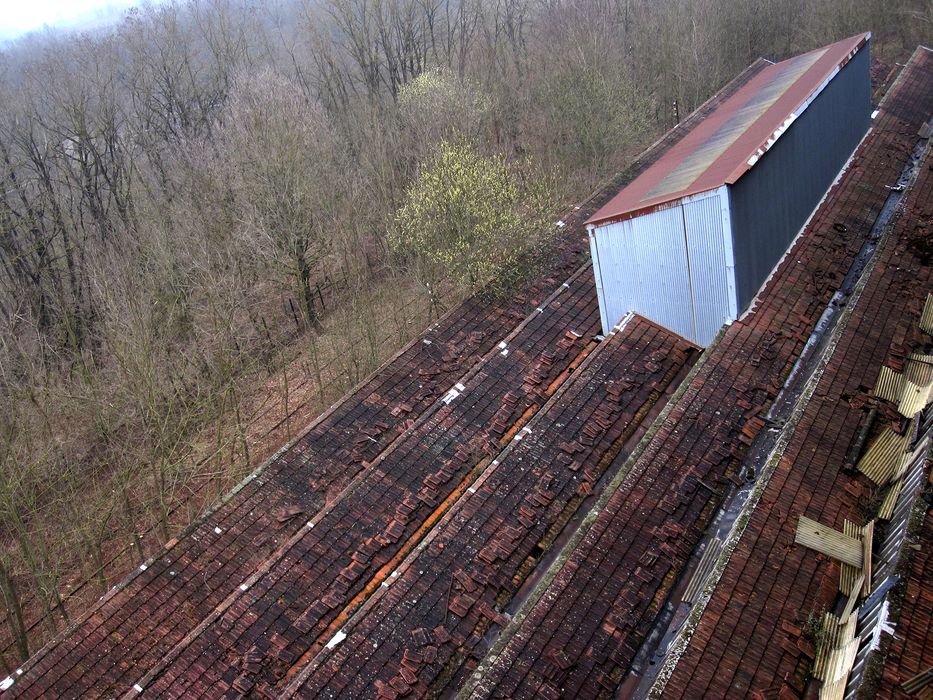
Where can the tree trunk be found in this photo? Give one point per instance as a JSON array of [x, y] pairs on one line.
[[307, 296], [14, 612]]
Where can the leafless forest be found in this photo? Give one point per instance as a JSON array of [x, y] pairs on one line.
[[203, 218]]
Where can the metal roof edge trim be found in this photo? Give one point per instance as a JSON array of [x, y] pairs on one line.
[[651, 208]]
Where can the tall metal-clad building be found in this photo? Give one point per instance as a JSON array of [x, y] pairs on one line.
[[691, 240]]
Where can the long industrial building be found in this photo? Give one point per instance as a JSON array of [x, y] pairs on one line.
[[658, 470]]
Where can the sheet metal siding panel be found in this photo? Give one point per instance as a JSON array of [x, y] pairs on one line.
[[597, 274], [772, 201], [643, 265], [725, 208], [708, 266]]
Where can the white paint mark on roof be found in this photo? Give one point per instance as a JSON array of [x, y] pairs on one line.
[[336, 639]]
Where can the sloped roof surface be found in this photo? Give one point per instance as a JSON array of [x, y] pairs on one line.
[[593, 624], [385, 551], [365, 442], [752, 636], [726, 144]]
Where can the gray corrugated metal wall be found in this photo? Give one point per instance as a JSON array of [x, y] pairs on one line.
[[671, 266], [711, 296], [643, 267], [771, 202]]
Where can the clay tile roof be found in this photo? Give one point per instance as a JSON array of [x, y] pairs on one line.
[[512, 506]]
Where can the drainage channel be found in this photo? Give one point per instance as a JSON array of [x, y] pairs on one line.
[[782, 418]]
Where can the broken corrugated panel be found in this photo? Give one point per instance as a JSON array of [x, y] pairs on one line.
[[885, 456], [890, 385], [836, 654], [921, 681], [886, 510], [705, 565], [910, 391], [926, 319], [832, 543], [851, 576], [909, 654], [835, 635]]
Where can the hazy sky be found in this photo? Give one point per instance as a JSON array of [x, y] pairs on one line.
[[20, 16]]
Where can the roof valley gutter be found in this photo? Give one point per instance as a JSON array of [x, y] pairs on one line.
[[766, 452], [560, 557]]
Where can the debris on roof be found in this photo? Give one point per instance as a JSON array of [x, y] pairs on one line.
[[610, 600], [752, 636], [513, 507]]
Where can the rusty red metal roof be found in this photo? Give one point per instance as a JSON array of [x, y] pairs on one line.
[[725, 145]]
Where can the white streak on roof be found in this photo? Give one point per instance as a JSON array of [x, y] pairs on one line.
[[336, 639]]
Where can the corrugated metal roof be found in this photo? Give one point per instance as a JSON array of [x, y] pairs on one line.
[[732, 139]]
